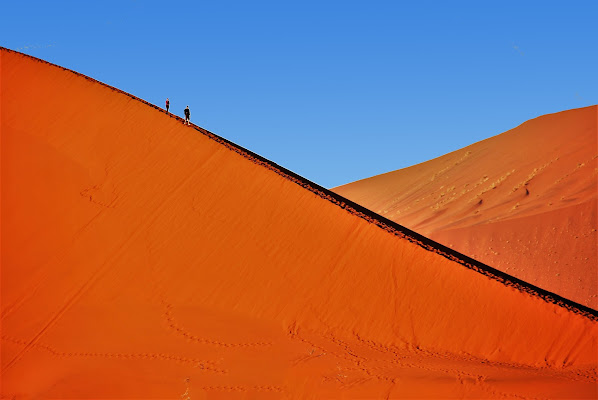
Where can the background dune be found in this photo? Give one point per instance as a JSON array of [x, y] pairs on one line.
[[142, 258], [524, 201]]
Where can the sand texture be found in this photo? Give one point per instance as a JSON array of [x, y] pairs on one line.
[[142, 258], [524, 202]]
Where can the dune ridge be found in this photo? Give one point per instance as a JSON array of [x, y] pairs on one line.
[[360, 211], [117, 221]]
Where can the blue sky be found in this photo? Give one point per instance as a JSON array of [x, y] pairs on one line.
[[335, 91]]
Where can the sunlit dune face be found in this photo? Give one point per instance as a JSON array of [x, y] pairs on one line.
[[145, 258]]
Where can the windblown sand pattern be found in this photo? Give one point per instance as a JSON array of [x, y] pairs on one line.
[[142, 258]]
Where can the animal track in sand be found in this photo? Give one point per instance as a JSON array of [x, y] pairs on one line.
[[172, 324], [196, 363]]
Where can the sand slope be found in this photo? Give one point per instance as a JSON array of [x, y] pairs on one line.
[[524, 201], [142, 258]]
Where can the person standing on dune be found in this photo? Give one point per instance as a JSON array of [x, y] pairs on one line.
[[187, 115], [167, 104]]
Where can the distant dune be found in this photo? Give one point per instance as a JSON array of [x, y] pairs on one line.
[[524, 202], [142, 258]]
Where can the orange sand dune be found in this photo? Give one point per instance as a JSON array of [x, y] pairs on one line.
[[142, 258], [524, 202]]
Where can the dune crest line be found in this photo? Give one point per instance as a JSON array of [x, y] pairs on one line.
[[130, 241], [362, 212]]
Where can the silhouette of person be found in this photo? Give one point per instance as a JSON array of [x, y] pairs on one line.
[[167, 104], [187, 115]]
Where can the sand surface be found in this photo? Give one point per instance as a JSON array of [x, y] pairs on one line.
[[524, 202], [142, 258]]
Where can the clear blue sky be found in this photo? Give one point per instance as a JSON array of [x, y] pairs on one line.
[[335, 91]]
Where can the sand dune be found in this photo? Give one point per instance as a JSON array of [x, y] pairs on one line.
[[142, 258], [524, 201]]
